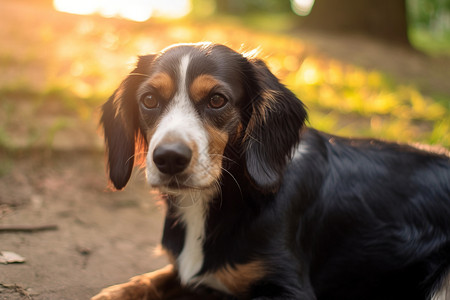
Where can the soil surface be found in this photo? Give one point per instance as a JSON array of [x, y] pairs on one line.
[[102, 237]]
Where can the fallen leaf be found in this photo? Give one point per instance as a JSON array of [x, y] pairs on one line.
[[8, 257]]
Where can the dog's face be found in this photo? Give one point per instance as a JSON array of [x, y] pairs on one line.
[[189, 109], [185, 106]]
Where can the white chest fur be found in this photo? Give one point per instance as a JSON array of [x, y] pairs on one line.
[[193, 211], [192, 208]]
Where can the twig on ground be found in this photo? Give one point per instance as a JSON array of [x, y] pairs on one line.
[[27, 228]]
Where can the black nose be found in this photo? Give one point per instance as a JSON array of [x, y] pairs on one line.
[[172, 158]]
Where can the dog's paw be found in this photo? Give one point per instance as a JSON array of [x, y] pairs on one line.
[[137, 288], [149, 286]]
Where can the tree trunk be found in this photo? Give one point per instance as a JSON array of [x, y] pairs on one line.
[[383, 19]]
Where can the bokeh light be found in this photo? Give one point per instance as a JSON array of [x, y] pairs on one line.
[[136, 10], [302, 7]]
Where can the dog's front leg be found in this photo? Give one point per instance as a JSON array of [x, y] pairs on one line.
[[154, 285], [162, 284]]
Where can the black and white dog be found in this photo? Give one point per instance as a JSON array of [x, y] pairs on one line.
[[261, 207]]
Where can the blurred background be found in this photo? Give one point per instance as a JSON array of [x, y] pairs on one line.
[[363, 68]]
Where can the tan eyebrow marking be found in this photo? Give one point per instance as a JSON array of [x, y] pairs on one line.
[[202, 86], [164, 84]]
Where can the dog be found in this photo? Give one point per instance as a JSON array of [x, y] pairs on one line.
[[260, 206]]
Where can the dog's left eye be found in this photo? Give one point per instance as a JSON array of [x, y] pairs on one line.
[[149, 101], [217, 101]]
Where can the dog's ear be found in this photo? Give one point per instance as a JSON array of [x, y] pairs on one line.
[[121, 125], [275, 119]]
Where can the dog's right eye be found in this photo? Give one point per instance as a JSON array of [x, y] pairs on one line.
[[149, 101]]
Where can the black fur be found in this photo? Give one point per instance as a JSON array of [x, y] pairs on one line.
[[273, 106], [344, 219], [124, 136]]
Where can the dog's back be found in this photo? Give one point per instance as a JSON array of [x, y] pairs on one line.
[[378, 217]]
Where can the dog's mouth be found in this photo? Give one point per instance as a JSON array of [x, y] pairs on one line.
[[175, 185], [178, 184]]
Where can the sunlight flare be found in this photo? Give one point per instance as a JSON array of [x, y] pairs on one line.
[[136, 10]]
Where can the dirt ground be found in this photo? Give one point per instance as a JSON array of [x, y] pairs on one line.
[[101, 238]]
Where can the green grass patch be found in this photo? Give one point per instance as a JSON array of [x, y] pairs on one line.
[[429, 42]]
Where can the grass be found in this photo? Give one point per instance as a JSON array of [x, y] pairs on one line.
[[392, 111], [79, 61], [429, 42]]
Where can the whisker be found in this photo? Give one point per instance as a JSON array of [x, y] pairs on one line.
[[187, 179], [219, 190], [224, 157], [192, 197], [136, 154], [235, 180], [138, 74], [140, 172], [176, 180]]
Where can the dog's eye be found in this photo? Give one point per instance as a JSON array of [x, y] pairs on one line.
[[217, 101], [149, 101]]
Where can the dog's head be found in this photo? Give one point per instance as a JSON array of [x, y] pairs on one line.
[[183, 107]]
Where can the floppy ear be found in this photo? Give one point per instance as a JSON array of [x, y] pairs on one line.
[[273, 129], [121, 125]]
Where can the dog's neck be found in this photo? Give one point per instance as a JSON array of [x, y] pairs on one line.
[[191, 209], [196, 217]]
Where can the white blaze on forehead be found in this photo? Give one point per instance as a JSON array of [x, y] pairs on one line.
[[184, 64], [181, 122], [180, 119]]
